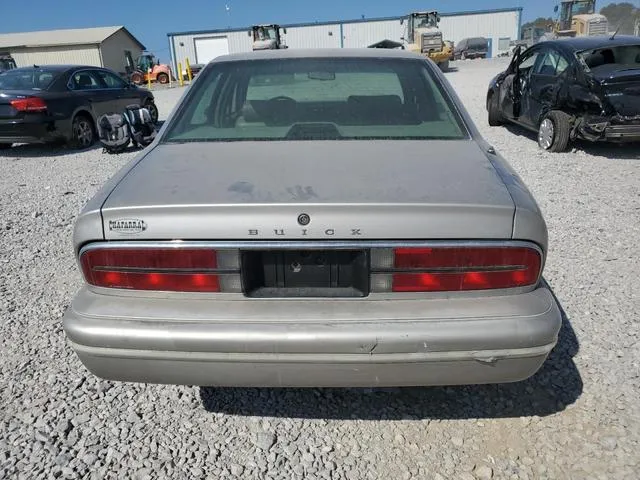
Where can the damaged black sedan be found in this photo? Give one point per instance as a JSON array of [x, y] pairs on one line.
[[577, 88]]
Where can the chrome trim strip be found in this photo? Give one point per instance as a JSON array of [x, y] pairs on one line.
[[306, 244]]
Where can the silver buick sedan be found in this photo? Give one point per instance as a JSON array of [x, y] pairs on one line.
[[314, 218]]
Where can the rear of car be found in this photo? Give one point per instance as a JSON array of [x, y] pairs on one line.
[[472, 48], [24, 111], [615, 71], [314, 219]]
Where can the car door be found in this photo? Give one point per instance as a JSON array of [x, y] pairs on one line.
[[546, 82], [122, 93], [515, 86], [88, 88]]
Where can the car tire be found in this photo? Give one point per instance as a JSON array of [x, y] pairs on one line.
[[5, 146], [153, 110], [554, 131], [162, 78], [495, 116], [444, 66], [463, 56], [83, 132]]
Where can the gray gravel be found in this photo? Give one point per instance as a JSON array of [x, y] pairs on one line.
[[578, 418]]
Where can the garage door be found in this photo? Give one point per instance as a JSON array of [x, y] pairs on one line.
[[211, 47]]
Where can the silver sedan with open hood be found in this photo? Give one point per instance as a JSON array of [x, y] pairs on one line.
[[314, 218]]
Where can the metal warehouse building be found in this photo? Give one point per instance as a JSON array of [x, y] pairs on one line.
[[100, 47], [499, 26]]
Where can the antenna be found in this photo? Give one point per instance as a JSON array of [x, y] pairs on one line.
[[615, 33]]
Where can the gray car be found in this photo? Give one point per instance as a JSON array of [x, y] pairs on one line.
[[314, 218]]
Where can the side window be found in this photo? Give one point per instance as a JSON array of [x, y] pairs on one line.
[[553, 64], [84, 80], [528, 60], [111, 80]]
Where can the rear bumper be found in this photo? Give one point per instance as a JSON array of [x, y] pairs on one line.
[[30, 132], [313, 343], [608, 129]]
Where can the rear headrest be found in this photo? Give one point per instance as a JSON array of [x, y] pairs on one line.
[[375, 101]]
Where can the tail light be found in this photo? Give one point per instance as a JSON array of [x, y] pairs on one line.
[[162, 269], [453, 269], [29, 104]]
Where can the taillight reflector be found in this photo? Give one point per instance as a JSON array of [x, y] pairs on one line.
[[161, 269], [450, 269], [29, 104]]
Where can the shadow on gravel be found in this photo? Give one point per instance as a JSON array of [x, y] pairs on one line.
[[557, 384], [614, 151], [38, 150]]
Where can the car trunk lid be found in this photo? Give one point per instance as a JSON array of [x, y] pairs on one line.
[[349, 189]]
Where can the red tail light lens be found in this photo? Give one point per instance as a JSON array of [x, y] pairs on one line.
[[29, 104], [464, 268], [162, 269]]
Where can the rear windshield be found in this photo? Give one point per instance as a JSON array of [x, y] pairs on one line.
[[316, 99], [620, 55], [27, 79]]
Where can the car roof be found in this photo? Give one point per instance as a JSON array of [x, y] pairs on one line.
[[57, 68], [319, 53], [579, 44]]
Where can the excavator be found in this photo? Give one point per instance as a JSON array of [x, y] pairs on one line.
[[145, 66], [268, 37]]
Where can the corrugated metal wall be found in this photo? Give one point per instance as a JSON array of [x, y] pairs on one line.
[[363, 34], [313, 36], [494, 25], [113, 49], [77, 54]]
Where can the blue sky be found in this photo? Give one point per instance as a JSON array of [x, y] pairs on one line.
[[150, 21]]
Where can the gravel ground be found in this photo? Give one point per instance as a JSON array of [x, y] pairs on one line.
[[577, 418]]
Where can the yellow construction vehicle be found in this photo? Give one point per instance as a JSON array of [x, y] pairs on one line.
[[579, 18], [424, 37]]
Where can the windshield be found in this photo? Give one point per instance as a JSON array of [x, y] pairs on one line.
[[425, 21], [623, 55], [27, 79], [264, 33], [316, 99]]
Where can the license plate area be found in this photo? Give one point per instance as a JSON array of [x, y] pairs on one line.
[[305, 273]]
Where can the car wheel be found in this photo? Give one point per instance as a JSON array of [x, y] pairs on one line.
[[554, 131], [495, 116], [82, 132], [163, 78], [153, 110], [444, 66], [5, 146], [463, 56]]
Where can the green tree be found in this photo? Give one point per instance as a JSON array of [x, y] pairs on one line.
[[621, 16]]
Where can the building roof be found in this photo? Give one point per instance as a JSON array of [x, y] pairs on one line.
[[54, 38], [359, 20]]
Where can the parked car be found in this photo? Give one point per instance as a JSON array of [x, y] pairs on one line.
[[586, 88], [477, 47], [348, 228], [62, 102]]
